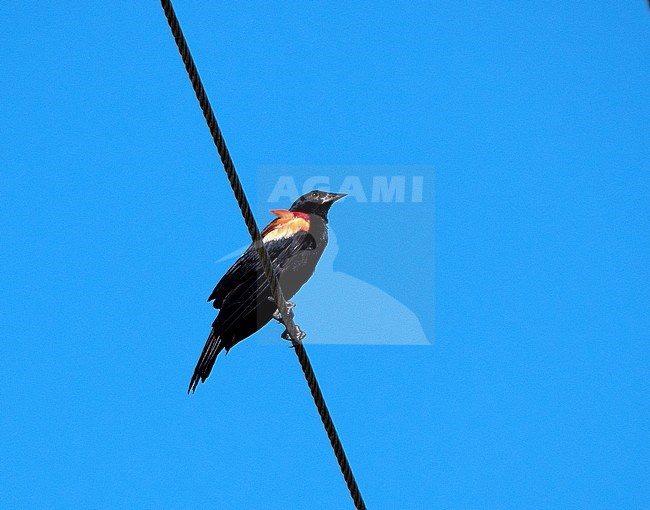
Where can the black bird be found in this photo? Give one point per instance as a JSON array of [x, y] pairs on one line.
[[295, 241]]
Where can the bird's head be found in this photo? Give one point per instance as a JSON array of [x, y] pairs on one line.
[[316, 202]]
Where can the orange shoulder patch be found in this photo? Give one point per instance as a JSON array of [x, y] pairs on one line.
[[285, 225]]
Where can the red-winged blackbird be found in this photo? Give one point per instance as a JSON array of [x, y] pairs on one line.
[[295, 241]]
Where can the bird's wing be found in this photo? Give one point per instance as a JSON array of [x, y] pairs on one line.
[[276, 234], [240, 292], [239, 272], [253, 289]]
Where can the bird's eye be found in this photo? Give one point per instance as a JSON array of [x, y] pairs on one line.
[[314, 194]]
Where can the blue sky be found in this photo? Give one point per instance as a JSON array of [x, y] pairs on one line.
[[532, 244]]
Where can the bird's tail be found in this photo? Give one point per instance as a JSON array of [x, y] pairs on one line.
[[213, 346]]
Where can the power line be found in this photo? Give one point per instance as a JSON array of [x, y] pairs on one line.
[[253, 230]]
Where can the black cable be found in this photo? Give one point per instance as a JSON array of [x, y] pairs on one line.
[[253, 230]]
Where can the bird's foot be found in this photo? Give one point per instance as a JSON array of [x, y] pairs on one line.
[[278, 316], [301, 335]]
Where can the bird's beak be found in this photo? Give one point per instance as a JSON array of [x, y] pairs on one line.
[[333, 197]]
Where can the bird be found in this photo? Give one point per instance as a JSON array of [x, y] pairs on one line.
[[295, 241]]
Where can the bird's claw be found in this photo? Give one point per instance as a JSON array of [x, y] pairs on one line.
[[278, 316], [301, 335]]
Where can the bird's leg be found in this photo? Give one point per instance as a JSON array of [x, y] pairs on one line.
[[301, 334], [278, 316]]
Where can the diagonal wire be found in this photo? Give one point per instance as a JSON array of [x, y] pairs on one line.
[[253, 230]]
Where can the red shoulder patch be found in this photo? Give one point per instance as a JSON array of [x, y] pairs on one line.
[[285, 225]]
